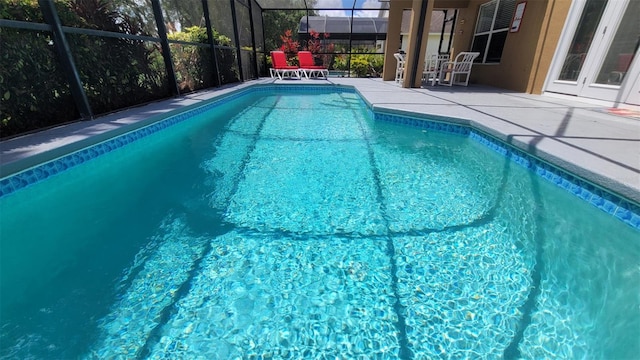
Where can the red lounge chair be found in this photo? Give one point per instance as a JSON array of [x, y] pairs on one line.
[[280, 66], [308, 67]]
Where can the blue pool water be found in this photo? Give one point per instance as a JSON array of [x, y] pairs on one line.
[[295, 226]]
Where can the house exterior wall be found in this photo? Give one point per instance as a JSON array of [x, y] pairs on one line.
[[416, 51], [393, 37], [527, 54], [432, 45]]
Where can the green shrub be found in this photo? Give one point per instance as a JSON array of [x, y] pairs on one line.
[[115, 73], [367, 65], [340, 62], [192, 64], [33, 90], [359, 65]]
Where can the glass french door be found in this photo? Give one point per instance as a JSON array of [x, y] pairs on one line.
[[598, 46]]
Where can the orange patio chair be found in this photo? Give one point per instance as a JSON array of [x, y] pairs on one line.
[[281, 68], [308, 66]]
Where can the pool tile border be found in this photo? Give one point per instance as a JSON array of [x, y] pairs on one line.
[[624, 210], [30, 176], [601, 198], [440, 126]]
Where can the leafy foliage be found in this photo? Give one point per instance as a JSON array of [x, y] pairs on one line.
[[30, 78], [360, 66], [23, 10], [193, 65], [363, 65], [314, 44], [341, 62], [276, 22], [367, 65], [290, 47], [116, 72], [34, 92], [318, 46], [192, 73]]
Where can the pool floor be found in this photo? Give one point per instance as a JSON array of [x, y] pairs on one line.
[[297, 227]]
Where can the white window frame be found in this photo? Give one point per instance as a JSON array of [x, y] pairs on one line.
[[491, 31]]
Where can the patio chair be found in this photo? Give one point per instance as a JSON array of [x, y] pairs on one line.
[[432, 66], [308, 66], [400, 62], [460, 66], [281, 68]]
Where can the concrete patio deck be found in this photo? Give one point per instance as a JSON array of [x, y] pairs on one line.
[[582, 138]]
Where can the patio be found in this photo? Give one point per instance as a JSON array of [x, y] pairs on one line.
[[581, 138]]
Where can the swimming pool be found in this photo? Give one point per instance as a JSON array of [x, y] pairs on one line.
[[294, 225]]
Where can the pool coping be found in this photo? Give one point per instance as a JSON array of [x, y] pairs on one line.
[[609, 195]]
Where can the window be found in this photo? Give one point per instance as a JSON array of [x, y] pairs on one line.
[[492, 28]]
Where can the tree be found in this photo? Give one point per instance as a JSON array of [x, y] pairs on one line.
[[276, 22]]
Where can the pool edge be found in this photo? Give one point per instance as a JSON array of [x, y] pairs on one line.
[[605, 193]]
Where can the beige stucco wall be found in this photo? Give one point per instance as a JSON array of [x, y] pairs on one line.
[[415, 53], [527, 53], [432, 45], [393, 37]]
